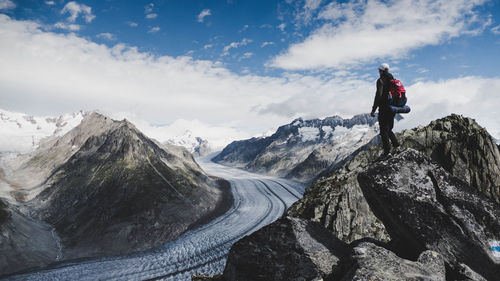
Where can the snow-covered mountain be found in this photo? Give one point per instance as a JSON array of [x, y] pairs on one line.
[[302, 149], [196, 145], [20, 132]]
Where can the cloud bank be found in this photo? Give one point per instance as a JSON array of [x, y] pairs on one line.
[[50, 73], [359, 31]]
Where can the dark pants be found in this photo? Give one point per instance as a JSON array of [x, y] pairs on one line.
[[386, 123]]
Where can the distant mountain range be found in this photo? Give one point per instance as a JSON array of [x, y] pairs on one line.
[[302, 149], [22, 133], [103, 188]]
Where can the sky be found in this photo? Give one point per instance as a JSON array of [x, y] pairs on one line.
[[234, 69]]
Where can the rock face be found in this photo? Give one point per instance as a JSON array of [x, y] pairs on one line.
[[288, 249], [377, 263], [463, 148], [459, 144], [425, 207], [301, 149], [111, 190], [337, 202], [24, 242], [296, 249]]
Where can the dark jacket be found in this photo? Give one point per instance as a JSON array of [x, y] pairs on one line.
[[381, 95]]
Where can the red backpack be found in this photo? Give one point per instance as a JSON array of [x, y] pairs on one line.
[[397, 92]]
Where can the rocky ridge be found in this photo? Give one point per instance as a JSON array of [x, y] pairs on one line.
[[301, 149]]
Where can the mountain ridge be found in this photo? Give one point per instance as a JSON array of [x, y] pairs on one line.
[[301, 149]]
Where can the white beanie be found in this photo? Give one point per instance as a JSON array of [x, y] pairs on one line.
[[383, 66]]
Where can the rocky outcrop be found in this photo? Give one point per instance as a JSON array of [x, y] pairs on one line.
[[377, 263], [337, 202], [463, 148], [288, 249], [296, 249], [459, 144], [426, 208], [301, 149]]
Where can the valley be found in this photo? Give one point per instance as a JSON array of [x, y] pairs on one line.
[[258, 201]]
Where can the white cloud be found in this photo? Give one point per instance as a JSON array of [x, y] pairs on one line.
[[246, 55], [50, 3], [154, 29], [235, 45], [310, 6], [151, 16], [468, 96], [282, 27], [7, 5], [74, 9], [360, 31], [67, 73], [132, 24], [106, 35], [205, 13], [266, 44], [208, 46], [149, 8], [71, 27], [496, 30]]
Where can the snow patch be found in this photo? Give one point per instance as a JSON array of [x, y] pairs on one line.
[[22, 133], [309, 134]]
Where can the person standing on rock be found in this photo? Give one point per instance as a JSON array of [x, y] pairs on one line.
[[385, 114]]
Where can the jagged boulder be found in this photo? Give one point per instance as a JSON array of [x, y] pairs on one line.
[[296, 249], [377, 263], [463, 148], [423, 207], [288, 249], [337, 202]]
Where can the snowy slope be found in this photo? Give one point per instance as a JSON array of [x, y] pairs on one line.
[[196, 145], [22, 133]]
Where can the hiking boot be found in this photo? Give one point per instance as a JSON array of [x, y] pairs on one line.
[[384, 157]]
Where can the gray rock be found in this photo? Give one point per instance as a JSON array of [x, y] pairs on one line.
[[337, 202], [288, 249], [463, 148], [377, 263], [425, 207]]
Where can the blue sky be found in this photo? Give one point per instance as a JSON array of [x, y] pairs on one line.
[[241, 68]]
